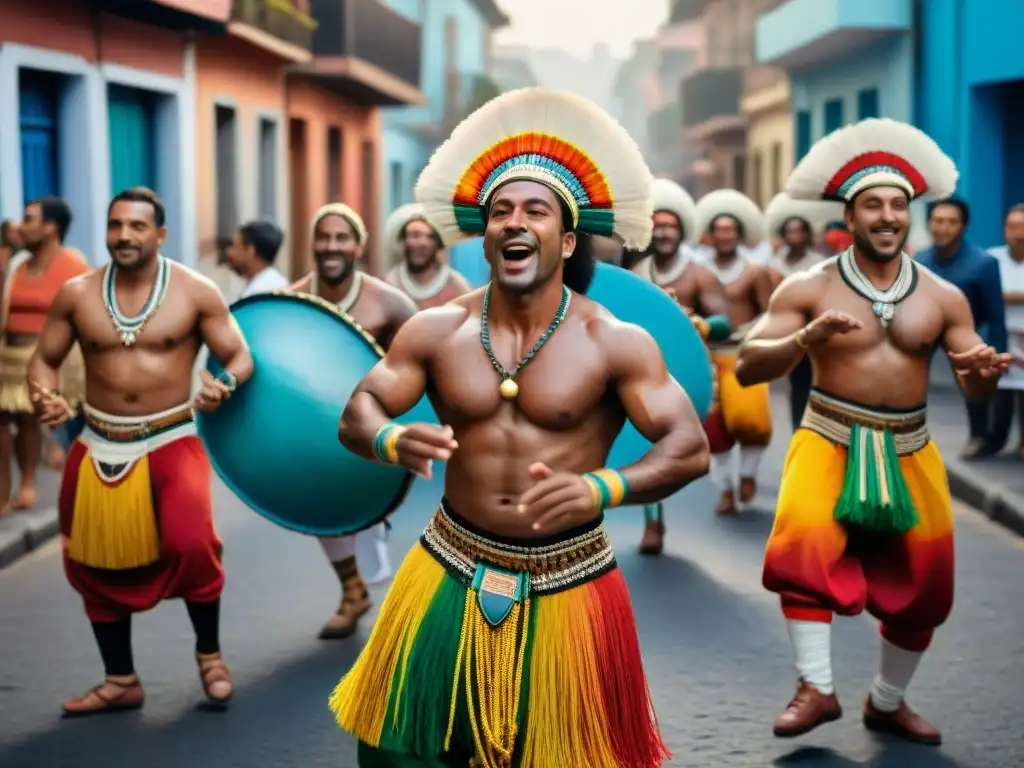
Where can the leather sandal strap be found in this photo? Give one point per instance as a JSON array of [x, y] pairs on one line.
[[214, 671]]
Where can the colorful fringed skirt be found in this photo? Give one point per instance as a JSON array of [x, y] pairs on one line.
[[510, 653], [864, 519]]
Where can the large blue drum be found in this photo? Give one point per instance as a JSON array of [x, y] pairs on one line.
[[274, 443], [634, 300]]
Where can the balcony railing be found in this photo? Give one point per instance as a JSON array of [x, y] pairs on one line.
[[369, 31], [279, 18], [710, 93]]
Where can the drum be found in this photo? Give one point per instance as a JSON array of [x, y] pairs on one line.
[[274, 442], [634, 300]]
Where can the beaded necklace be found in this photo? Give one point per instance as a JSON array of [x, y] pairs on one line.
[[129, 328], [422, 291], [349, 299], [508, 388], [883, 302]]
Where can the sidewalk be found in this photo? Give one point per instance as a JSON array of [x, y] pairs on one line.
[[21, 532], [994, 485]]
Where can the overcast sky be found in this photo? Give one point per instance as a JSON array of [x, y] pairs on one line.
[[577, 24]]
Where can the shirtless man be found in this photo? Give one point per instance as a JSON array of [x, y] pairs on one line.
[[673, 267], [339, 237], [741, 416], [420, 273], [516, 556], [864, 517], [135, 507], [795, 222]]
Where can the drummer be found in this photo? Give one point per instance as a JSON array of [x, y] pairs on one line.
[[339, 237], [135, 504], [675, 267], [420, 273], [507, 636]]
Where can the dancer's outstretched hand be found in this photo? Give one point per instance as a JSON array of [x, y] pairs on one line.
[[557, 501]]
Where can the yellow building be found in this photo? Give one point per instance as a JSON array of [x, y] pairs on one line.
[[765, 104]]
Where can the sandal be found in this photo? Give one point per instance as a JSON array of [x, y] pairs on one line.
[[215, 677], [100, 699]]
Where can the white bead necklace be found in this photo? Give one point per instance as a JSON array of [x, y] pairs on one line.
[[883, 302]]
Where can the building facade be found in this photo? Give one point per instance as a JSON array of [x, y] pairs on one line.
[[765, 106], [971, 101], [454, 64], [242, 128], [100, 100]]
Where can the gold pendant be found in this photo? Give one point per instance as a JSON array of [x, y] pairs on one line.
[[509, 390]]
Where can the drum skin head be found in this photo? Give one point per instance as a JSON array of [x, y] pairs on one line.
[[274, 442], [634, 300]]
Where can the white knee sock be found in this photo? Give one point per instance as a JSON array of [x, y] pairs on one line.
[[721, 470], [812, 651], [750, 460], [894, 674], [338, 548]]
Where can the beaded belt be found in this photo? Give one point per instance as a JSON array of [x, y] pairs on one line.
[[142, 429], [580, 555], [834, 419]]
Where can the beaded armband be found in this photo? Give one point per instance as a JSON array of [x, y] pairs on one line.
[[229, 380], [385, 443], [608, 487]]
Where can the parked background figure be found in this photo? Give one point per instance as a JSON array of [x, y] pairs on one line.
[[32, 279], [975, 273], [1010, 396]]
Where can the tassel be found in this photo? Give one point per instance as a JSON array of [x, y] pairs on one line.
[[875, 496], [114, 525]]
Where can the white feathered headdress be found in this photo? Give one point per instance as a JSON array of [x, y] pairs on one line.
[[729, 202], [349, 215], [878, 152], [669, 196], [559, 139], [396, 222], [817, 213]]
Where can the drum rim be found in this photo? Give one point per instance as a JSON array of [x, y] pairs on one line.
[[404, 487]]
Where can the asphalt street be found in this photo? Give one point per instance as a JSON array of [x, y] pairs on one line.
[[713, 640]]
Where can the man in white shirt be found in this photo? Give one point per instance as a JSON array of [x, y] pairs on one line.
[[1010, 396], [251, 256]]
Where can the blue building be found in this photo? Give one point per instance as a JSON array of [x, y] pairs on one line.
[[454, 66], [971, 101]]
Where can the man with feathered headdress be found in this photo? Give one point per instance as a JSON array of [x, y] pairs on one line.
[[864, 517], [675, 267], [507, 637], [797, 223], [338, 238], [740, 417], [416, 247]]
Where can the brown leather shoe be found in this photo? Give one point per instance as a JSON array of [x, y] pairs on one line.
[[215, 677], [112, 695], [748, 488], [355, 602], [653, 540], [808, 709], [726, 504], [904, 724]]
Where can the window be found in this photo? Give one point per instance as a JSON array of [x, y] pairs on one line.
[[867, 103], [397, 192], [803, 133], [334, 164], [833, 115], [267, 164], [755, 181], [227, 175], [777, 180], [38, 114], [130, 112]]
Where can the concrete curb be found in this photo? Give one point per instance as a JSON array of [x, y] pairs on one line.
[[996, 502], [30, 531]]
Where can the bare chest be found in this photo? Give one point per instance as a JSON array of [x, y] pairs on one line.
[[172, 326], [686, 288], [914, 330], [558, 388]]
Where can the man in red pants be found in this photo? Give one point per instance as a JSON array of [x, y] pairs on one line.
[[135, 508]]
